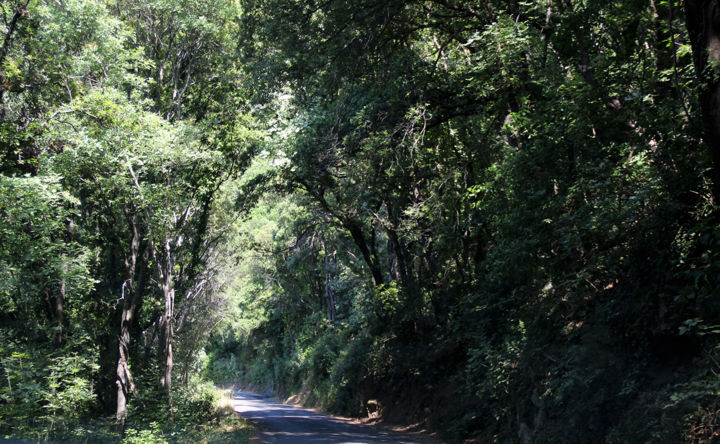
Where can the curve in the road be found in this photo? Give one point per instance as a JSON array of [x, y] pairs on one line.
[[282, 423]]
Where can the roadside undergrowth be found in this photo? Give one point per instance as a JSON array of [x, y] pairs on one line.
[[218, 426], [203, 414]]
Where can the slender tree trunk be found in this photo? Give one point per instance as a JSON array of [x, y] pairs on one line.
[[329, 293], [60, 304], [359, 238], [400, 260], [392, 261], [130, 295], [399, 251], [60, 299], [166, 282], [18, 11], [197, 242], [703, 25], [124, 381]]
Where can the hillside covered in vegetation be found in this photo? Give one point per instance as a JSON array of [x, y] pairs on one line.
[[497, 218]]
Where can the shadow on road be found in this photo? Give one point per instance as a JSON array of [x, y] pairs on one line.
[[281, 423]]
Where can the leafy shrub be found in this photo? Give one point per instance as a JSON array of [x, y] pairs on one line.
[[322, 357], [347, 375], [150, 435], [223, 370], [43, 388], [196, 402]]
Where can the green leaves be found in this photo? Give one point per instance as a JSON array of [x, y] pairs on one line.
[[521, 173], [35, 257], [507, 198]]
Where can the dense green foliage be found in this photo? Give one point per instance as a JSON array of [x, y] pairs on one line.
[[502, 219], [114, 203], [499, 217]]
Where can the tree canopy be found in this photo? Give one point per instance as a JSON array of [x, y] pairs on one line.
[[498, 218]]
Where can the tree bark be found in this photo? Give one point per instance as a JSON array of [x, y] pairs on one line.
[[703, 25], [19, 10], [131, 296], [60, 303], [359, 238], [60, 299], [399, 251], [166, 283], [329, 293]]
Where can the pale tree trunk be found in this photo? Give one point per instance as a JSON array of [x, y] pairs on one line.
[[60, 303], [60, 299], [166, 344], [130, 295], [703, 25], [124, 381]]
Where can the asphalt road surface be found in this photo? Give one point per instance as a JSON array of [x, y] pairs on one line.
[[282, 423]]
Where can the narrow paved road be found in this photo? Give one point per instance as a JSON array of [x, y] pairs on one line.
[[282, 423]]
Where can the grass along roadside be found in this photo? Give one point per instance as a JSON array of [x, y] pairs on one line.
[[228, 427], [214, 422], [224, 426]]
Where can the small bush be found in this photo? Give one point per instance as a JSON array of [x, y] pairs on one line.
[[225, 369], [151, 435], [197, 402]]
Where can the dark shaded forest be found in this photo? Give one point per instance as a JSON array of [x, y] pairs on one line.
[[495, 218]]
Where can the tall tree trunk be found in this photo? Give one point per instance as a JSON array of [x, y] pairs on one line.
[[703, 25], [131, 296], [329, 293], [60, 299], [60, 303], [392, 263], [197, 250], [166, 283], [356, 232], [399, 251], [18, 11]]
